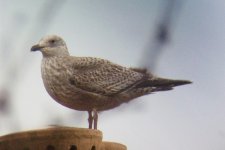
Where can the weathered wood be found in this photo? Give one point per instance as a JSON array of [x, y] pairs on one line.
[[112, 146], [58, 138]]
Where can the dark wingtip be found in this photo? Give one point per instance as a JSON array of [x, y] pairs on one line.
[[167, 84], [162, 83], [182, 82]]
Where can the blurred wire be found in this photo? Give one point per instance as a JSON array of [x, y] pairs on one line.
[[162, 35], [46, 15]]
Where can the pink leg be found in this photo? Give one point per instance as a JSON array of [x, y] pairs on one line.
[[90, 119], [95, 117]]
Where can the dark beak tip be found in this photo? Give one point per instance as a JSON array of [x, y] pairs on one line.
[[35, 48]]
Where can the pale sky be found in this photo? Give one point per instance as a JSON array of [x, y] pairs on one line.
[[189, 117]]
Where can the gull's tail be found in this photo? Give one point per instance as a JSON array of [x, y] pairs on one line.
[[161, 84]]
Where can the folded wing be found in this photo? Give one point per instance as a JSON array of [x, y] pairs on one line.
[[103, 77]]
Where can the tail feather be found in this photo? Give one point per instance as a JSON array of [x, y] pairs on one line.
[[168, 82], [161, 84]]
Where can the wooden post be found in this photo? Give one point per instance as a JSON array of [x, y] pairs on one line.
[[58, 138], [112, 146]]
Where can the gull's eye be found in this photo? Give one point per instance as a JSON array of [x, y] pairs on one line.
[[52, 41]]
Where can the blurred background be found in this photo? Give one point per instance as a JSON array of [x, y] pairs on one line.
[[179, 39]]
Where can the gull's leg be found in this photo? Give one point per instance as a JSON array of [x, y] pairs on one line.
[[90, 119], [95, 117]]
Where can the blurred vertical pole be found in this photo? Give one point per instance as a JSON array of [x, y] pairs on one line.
[[18, 58], [4, 102], [47, 13], [162, 34]]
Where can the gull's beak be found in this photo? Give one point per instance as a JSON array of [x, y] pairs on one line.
[[36, 47]]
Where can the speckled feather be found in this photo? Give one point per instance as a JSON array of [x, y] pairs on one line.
[[84, 83]]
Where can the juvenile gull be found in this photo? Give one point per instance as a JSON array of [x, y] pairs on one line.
[[93, 84]]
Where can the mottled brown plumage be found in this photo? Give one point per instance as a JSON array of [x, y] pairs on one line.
[[87, 83]]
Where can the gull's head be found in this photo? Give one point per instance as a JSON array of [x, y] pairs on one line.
[[50, 46]]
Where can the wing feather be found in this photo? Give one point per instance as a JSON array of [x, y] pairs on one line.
[[102, 77]]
